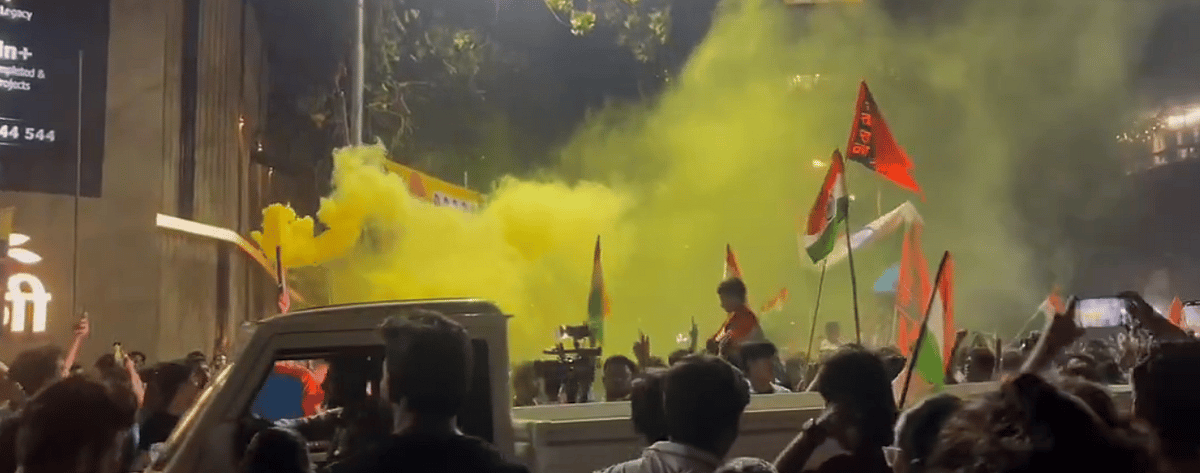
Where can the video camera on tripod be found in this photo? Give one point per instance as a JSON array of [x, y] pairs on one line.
[[574, 369]]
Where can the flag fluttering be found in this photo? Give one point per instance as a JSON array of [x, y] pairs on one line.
[[927, 370], [872, 144], [1053, 304], [776, 303], [1175, 313], [732, 270], [285, 296], [903, 215], [598, 305], [912, 288], [828, 213]]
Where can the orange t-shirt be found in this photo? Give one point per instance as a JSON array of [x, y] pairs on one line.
[[741, 327], [313, 394]]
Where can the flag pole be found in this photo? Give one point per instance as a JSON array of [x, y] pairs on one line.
[[912, 362], [812, 332], [850, 259], [78, 188]]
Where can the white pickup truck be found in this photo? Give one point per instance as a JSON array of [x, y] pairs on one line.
[[211, 436], [562, 439]]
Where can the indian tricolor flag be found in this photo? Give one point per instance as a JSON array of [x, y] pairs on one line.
[[828, 213], [732, 269], [598, 308], [929, 367]]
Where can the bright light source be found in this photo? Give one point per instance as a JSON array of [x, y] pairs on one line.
[[817, 163], [1184, 120], [17, 239], [196, 228], [24, 256]]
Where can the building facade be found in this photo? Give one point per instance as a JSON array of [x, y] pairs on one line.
[[163, 98]]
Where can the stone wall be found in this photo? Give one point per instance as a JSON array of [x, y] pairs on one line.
[[155, 292]]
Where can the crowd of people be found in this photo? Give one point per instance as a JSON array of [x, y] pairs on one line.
[[1051, 409], [58, 416]]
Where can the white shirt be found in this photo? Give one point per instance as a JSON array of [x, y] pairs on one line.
[[669, 457], [827, 450]]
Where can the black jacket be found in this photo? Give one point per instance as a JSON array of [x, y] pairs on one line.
[[428, 454]]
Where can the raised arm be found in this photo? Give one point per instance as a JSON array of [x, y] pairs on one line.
[[1061, 332], [83, 328], [139, 388]]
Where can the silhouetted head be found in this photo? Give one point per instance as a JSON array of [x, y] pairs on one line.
[[36, 368], [618, 375], [276, 450], [428, 363], [76, 424], [703, 399], [732, 292]]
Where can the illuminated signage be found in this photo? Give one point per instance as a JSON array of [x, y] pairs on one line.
[[27, 302], [53, 82]]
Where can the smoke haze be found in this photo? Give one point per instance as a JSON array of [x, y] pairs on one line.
[[1007, 109]]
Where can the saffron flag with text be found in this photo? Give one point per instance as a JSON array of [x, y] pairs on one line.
[[828, 213], [598, 305], [872, 144]]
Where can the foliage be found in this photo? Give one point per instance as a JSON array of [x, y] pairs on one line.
[[434, 69], [642, 26]]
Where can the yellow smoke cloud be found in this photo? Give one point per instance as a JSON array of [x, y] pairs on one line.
[[724, 156], [528, 250]]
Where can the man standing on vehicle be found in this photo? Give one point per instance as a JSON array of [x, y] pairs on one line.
[[741, 326], [427, 373]]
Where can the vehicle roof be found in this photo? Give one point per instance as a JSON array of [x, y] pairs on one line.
[[371, 314]]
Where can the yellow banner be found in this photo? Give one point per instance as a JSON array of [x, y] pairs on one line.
[[436, 191]]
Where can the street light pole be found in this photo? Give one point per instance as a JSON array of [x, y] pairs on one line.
[[356, 94]]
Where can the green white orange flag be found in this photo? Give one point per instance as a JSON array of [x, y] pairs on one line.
[[828, 213], [929, 367], [598, 307], [732, 269]]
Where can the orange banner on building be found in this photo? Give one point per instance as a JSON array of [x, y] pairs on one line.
[[436, 191]]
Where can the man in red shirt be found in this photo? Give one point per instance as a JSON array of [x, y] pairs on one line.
[[742, 325]]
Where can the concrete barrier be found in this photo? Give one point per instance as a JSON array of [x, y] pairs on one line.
[[582, 438]]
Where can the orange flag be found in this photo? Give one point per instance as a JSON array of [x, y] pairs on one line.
[[732, 270], [776, 303], [1175, 313], [872, 144]]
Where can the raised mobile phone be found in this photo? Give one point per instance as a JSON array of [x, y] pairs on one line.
[[1102, 312], [117, 352]]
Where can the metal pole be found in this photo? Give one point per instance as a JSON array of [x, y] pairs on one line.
[[812, 331], [78, 185], [356, 93], [850, 258]]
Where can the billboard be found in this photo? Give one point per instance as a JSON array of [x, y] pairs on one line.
[[53, 80], [436, 191]]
